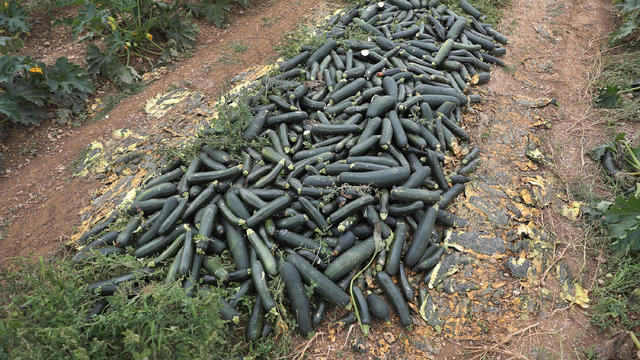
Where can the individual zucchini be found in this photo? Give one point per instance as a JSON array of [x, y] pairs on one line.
[[260, 283], [253, 329], [238, 246], [378, 307], [162, 190], [263, 252], [209, 176], [269, 210], [380, 178], [297, 296], [421, 237], [395, 297], [405, 285], [350, 208], [394, 255], [403, 194], [294, 240], [124, 237], [363, 308], [325, 287], [350, 259], [170, 221]]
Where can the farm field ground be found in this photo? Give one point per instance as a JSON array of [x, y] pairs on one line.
[[523, 278]]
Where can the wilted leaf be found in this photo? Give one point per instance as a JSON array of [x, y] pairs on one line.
[[572, 210], [127, 76], [597, 152]]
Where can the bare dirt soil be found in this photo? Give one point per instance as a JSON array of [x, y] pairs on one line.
[[523, 297]]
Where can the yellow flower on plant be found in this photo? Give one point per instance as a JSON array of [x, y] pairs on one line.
[[6, 4], [149, 37], [36, 70]]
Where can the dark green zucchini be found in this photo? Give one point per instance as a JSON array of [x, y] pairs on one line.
[[405, 285], [395, 253], [260, 283], [124, 237], [325, 287], [403, 194], [378, 307], [297, 296], [263, 252], [395, 297], [294, 240], [380, 178], [421, 237], [350, 208], [171, 220], [238, 246], [350, 259], [162, 190], [253, 329], [269, 210], [209, 176]]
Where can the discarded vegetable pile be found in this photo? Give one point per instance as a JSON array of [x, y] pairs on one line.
[[350, 187]]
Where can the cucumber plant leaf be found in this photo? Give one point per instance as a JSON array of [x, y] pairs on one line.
[[216, 11], [14, 18], [10, 44], [608, 97], [182, 31], [18, 111], [67, 77], [623, 220]]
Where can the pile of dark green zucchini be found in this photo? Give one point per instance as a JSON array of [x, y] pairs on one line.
[[349, 191]]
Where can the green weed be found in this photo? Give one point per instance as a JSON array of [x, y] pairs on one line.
[[4, 225], [239, 47], [303, 35], [114, 99], [620, 69], [614, 309], [45, 307]]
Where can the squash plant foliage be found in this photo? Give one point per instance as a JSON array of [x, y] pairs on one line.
[[630, 15], [129, 29], [28, 88]]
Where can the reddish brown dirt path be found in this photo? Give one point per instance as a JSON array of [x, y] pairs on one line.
[[39, 197]]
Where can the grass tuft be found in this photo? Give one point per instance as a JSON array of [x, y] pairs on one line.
[[620, 67], [616, 307]]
